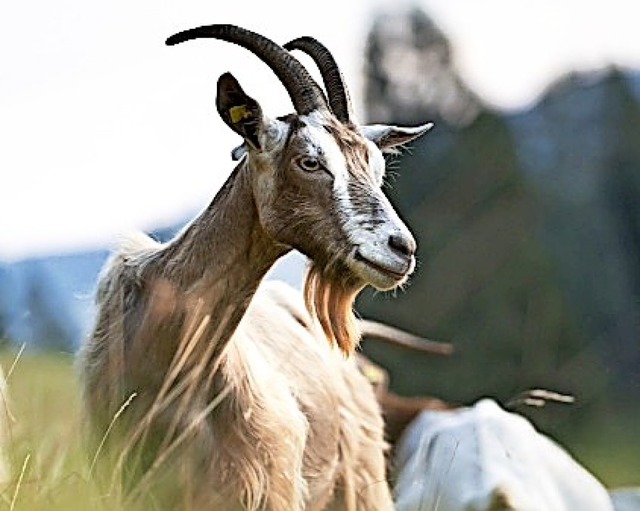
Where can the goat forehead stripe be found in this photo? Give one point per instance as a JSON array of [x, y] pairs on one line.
[[347, 157], [345, 151], [321, 143], [362, 181], [354, 148]]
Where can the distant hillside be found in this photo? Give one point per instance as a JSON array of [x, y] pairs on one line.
[[580, 151], [47, 302]]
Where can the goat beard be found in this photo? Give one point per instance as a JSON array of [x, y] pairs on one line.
[[329, 294]]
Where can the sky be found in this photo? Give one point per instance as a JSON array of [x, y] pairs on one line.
[[104, 129]]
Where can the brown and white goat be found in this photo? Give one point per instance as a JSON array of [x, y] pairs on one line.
[[206, 397]]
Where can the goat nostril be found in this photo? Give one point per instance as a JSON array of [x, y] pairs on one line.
[[402, 244]]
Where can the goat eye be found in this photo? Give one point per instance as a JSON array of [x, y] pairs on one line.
[[309, 164]]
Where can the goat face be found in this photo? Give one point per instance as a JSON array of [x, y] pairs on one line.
[[317, 187], [316, 175]]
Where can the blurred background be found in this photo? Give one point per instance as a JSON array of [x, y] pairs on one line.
[[524, 198], [528, 223]]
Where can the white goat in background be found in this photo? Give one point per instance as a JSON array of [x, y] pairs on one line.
[[484, 458]]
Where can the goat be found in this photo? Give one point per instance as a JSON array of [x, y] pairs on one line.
[[484, 458], [202, 392]]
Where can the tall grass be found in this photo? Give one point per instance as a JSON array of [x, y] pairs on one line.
[[51, 464], [49, 461]]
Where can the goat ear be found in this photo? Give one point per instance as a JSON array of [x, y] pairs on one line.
[[388, 137], [239, 111], [238, 152]]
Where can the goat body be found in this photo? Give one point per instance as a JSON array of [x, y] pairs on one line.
[[483, 458], [295, 426]]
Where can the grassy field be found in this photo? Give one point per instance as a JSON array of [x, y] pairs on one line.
[[50, 465], [49, 462]]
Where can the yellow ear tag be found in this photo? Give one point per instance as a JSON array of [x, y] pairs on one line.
[[373, 374], [237, 113]]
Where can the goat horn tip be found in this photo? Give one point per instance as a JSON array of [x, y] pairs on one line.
[[174, 39], [186, 35]]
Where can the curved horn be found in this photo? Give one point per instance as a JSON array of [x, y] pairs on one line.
[[305, 93], [339, 100]]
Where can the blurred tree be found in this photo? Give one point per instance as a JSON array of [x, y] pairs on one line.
[[409, 72], [579, 147]]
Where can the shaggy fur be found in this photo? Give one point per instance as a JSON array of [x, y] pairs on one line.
[[295, 425]]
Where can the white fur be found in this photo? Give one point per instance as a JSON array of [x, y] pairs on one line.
[[460, 460]]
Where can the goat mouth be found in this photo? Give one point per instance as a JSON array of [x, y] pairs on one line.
[[390, 273]]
